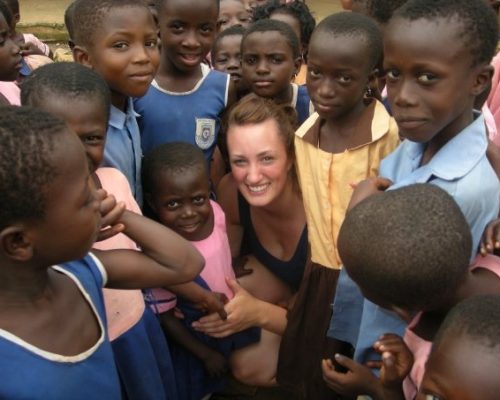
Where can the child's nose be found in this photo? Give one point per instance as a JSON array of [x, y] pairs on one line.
[[262, 67], [403, 94], [191, 40], [326, 89]]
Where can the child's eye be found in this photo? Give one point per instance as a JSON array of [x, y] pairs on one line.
[[120, 45], [426, 78], [151, 43], [198, 200], [344, 79], [276, 60], [177, 27], [391, 74], [249, 60], [94, 140], [432, 397], [172, 204], [206, 29]]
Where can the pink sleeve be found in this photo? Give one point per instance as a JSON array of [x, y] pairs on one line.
[[30, 38], [494, 97]]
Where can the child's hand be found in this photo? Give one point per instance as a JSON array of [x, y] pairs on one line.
[[397, 360], [358, 379], [111, 213], [239, 264], [28, 49], [367, 188], [491, 238], [214, 303], [215, 364]]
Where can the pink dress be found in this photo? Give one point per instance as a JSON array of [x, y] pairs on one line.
[[217, 253], [124, 308], [11, 92], [421, 348], [493, 101]]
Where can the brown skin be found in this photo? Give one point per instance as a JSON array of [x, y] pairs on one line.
[[44, 307]]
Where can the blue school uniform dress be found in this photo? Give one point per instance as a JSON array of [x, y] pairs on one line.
[[28, 372], [123, 147], [192, 117], [301, 102], [460, 168]]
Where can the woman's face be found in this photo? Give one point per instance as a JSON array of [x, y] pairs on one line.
[[259, 161]]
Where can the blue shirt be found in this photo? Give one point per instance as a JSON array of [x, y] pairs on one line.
[[29, 372], [461, 168], [123, 147]]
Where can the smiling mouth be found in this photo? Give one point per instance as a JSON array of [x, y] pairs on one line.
[[258, 189], [190, 228]]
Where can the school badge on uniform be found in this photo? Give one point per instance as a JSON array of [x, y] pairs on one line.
[[205, 132]]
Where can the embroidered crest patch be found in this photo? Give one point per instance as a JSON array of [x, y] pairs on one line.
[[205, 132]]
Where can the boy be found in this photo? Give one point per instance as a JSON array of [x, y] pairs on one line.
[[186, 99], [432, 82], [117, 39]]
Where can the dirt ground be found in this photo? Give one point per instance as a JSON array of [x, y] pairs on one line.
[[52, 11]]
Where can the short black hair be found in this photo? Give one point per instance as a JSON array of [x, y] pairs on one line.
[[476, 318], [88, 17], [297, 9], [408, 247], [66, 80], [355, 25], [7, 14], [13, 6], [270, 25], [382, 10], [160, 3], [68, 20], [28, 138], [235, 30], [479, 31], [176, 157]]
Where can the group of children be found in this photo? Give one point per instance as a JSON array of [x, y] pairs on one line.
[[398, 183]]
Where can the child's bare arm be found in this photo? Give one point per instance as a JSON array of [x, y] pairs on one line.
[[166, 258], [215, 363]]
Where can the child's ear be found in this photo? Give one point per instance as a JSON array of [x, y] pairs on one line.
[[482, 79], [373, 78], [81, 56], [297, 64], [15, 243]]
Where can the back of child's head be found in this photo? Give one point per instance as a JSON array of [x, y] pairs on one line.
[[67, 81], [7, 14], [236, 30], [408, 247], [174, 158], [89, 16], [380, 10], [296, 9], [269, 25], [28, 138], [349, 24], [13, 6], [68, 21], [479, 28]]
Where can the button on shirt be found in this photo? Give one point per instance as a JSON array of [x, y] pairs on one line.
[[123, 147]]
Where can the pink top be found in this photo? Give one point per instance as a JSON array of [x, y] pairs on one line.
[[30, 38], [421, 348], [124, 308], [217, 253], [11, 92], [494, 96]]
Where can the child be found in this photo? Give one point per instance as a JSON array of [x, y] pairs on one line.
[[341, 143], [177, 188], [226, 56], [28, 42], [52, 312], [432, 82], [10, 60], [270, 58], [421, 288], [194, 96], [464, 360], [81, 97], [296, 14], [117, 39], [232, 13]]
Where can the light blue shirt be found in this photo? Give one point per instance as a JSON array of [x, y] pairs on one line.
[[123, 147]]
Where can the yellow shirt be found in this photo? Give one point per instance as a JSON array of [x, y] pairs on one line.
[[325, 178]]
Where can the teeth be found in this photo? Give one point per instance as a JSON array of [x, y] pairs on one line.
[[256, 189]]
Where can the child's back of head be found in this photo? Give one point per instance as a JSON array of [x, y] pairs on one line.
[[463, 363], [407, 248]]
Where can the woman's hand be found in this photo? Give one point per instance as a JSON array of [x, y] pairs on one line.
[[243, 311]]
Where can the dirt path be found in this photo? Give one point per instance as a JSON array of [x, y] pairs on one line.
[[52, 11]]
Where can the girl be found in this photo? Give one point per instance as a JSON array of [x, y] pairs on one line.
[[10, 60], [266, 226], [81, 97], [270, 59], [297, 15], [52, 311], [177, 190], [232, 13]]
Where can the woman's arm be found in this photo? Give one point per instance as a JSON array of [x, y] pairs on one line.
[[243, 311]]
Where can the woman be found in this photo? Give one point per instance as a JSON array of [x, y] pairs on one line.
[[267, 233]]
